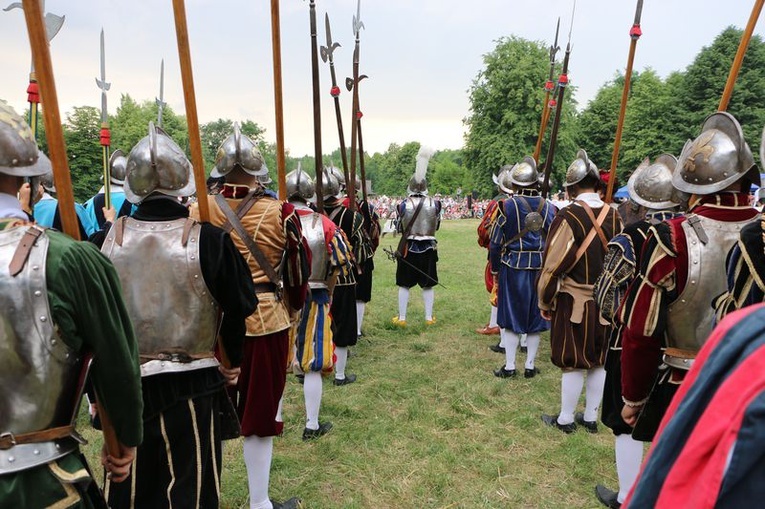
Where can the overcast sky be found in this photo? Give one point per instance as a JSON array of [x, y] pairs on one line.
[[421, 56]]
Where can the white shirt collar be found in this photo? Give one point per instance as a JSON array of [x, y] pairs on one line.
[[11, 207], [591, 199]]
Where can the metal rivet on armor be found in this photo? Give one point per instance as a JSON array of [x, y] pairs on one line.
[[710, 179], [110, 239], [53, 341], [725, 174], [38, 293], [15, 161], [204, 293], [162, 364], [11, 459], [36, 452], [43, 318], [196, 276], [152, 227], [35, 267], [67, 356], [695, 262], [694, 242], [682, 300], [192, 257], [693, 281], [193, 240], [58, 446]]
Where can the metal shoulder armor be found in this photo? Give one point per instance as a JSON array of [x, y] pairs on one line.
[[426, 222], [313, 231]]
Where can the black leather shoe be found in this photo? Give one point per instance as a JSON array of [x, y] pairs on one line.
[[505, 373], [552, 420], [310, 434], [607, 497], [531, 373], [349, 379], [293, 503], [497, 348], [590, 426]]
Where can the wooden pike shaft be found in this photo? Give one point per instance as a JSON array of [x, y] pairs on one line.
[[556, 123], [278, 103], [189, 99], [53, 130], [620, 122], [738, 60], [361, 164], [543, 126], [316, 111]]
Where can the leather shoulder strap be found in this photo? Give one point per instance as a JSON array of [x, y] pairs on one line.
[[21, 254], [236, 223], [597, 223], [596, 229]]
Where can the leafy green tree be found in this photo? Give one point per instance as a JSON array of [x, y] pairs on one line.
[[81, 135], [505, 110], [214, 133], [131, 123]]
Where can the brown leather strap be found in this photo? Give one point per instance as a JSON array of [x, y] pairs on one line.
[[244, 206], [8, 440], [591, 234], [246, 238], [597, 222], [21, 254], [187, 231], [401, 248], [525, 230], [119, 229], [680, 353]]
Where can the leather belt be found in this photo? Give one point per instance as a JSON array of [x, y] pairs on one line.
[[8, 440], [265, 288], [679, 358]]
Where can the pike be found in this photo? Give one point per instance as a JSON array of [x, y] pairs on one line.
[[739, 59], [549, 87], [39, 41], [105, 136], [189, 99], [316, 110], [327, 55], [53, 24], [352, 84], [562, 84], [160, 100], [276, 48], [635, 33]]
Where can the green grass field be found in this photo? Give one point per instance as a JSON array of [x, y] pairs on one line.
[[427, 425]]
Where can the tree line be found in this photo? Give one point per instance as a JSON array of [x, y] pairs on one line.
[[503, 122]]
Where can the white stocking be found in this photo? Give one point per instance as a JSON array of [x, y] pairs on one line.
[[510, 339], [629, 456], [596, 379], [312, 393], [571, 383], [428, 297], [403, 301], [360, 307], [341, 352], [257, 458], [493, 319], [532, 346]]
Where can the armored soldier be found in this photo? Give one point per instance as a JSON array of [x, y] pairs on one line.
[[573, 259], [668, 309], [267, 232], [417, 254], [371, 227], [484, 238], [344, 308], [178, 277], [312, 335], [94, 207], [745, 267], [650, 189], [515, 251], [60, 306]]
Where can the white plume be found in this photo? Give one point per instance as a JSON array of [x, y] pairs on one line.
[[423, 156]]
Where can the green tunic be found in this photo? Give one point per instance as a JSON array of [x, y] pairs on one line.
[[86, 303]]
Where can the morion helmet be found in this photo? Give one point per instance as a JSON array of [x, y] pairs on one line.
[[717, 158], [503, 180], [239, 149], [580, 168], [157, 165], [19, 155], [330, 186], [650, 185], [300, 185], [418, 184], [337, 173], [117, 167], [524, 174]]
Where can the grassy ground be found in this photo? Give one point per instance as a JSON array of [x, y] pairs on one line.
[[427, 425]]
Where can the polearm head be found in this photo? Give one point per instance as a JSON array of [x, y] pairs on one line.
[[555, 48], [160, 100], [357, 23], [328, 50], [638, 12], [53, 22], [102, 84]]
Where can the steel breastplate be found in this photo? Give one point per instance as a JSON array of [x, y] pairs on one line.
[[313, 231], [690, 318], [424, 226], [39, 374], [174, 316]]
